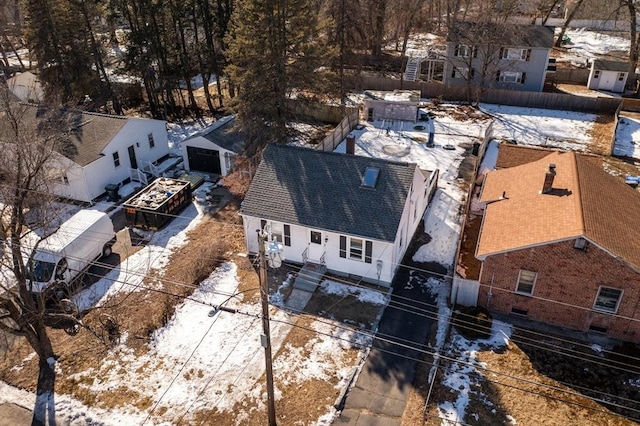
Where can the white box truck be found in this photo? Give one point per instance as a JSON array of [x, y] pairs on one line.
[[63, 255]]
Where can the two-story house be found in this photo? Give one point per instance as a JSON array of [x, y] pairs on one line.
[[501, 56]]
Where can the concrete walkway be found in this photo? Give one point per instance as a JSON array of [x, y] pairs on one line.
[[385, 382], [14, 415]]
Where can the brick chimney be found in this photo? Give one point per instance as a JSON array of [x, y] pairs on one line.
[[351, 144], [548, 179]]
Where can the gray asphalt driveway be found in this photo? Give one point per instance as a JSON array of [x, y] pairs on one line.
[[383, 386]]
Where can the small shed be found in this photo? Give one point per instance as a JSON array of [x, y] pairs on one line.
[[391, 105], [27, 87], [214, 149], [608, 75]]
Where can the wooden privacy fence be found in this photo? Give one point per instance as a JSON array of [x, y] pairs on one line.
[[546, 100], [346, 125]]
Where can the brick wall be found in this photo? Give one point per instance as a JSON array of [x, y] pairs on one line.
[[569, 276]]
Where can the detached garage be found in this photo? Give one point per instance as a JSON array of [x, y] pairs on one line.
[[214, 149], [608, 75]]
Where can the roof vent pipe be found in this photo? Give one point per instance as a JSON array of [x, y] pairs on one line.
[[548, 179]]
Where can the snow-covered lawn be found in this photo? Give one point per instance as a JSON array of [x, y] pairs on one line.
[[200, 362], [586, 45], [462, 375], [627, 142], [567, 130]]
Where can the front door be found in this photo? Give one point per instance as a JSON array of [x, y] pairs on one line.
[[316, 246], [132, 157]]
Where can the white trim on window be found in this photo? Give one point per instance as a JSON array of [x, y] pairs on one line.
[[356, 248], [510, 77], [608, 299], [526, 282], [514, 54]]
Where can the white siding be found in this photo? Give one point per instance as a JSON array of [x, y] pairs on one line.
[[76, 186], [300, 237], [88, 183]]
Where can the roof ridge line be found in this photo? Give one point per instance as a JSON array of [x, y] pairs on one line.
[[576, 182]]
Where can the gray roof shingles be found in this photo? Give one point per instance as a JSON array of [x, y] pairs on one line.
[[514, 35], [87, 134], [323, 190]]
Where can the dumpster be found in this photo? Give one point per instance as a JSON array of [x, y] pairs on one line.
[[158, 203]]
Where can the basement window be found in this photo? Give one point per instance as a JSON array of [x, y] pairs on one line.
[[370, 177], [597, 329], [520, 312]]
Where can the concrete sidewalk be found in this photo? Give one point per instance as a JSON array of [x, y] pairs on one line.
[[14, 415]]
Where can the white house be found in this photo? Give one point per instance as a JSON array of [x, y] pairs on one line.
[[99, 150], [608, 75], [26, 87], [390, 105], [214, 149], [355, 215]]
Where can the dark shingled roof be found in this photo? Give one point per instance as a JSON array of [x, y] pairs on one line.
[[511, 35], [323, 190], [603, 65], [225, 135], [87, 133]]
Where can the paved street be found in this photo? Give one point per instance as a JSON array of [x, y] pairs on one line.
[[383, 386]]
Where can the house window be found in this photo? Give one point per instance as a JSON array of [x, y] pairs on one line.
[[526, 281], [116, 159], [597, 329], [608, 299], [459, 72], [596, 74], [511, 77], [355, 248], [316, 237], [515, 54], [276, 231], [521, 312], [152, 143], [621, 76], [464, 51]]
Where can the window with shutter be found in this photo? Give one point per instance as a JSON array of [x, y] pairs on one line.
[[368, 250], [287, 235], [522, 79], [263, 224], [528, 58], [343, 246]]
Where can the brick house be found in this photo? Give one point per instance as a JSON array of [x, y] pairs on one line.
[[559, 244]]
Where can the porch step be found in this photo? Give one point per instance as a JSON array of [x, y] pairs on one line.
[[309, 277]]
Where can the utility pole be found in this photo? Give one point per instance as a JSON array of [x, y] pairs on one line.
[[266, 336]]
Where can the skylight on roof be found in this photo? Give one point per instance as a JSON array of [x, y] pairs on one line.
[[370, 177]]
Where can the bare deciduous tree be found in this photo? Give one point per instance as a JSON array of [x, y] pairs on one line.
[[30, 138]]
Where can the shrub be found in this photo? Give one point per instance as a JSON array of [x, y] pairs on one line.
[[473, 322]]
